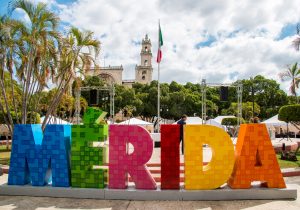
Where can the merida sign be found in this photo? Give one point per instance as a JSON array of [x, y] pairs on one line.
[[76, 156]]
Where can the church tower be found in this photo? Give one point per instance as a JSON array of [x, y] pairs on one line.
[[143, 72]]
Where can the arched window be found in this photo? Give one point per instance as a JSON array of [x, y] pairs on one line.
[[143, 77], [146, 62], [144, 72], [146, 48]]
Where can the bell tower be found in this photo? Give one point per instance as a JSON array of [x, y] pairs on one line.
[[143, 72]]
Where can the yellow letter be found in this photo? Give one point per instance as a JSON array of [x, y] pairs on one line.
[[219, 169]]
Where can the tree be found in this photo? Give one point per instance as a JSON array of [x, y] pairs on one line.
[[246, 107], [290, 113], [38, 50], [296, 41], [267, 94], [38, 55], [292, 73], [72, 62]]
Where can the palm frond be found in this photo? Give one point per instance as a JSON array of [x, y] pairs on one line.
[[27, 6], [296, 43]]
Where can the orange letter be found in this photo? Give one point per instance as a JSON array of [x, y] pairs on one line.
[[255, 159]]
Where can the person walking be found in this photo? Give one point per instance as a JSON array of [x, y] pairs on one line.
[[182, 122]]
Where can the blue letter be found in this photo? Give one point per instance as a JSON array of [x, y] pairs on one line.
[[35, 156]]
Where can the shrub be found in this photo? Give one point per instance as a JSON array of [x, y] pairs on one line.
[[289, 113]]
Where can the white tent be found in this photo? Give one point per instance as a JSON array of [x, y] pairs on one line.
[[192, 121], [55, 120], [214, 123], [135, 121], [220, 118], [274, 121]]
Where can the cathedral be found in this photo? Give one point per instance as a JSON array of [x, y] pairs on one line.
[[114, 74]]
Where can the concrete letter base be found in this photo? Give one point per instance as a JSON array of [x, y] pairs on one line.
[[224, 193]]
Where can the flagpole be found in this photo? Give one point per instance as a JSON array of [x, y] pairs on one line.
[[158, 85]]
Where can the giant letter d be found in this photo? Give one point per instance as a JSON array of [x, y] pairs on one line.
[[218, 170]]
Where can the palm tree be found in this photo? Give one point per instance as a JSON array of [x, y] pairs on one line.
[[293, 73], [72, 62], [4, 42], [37, 38], [296, 41], [37, 54]]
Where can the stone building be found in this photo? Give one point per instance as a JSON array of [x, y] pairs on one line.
[[114, 74]]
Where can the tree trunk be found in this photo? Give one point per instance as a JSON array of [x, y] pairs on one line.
[[55, 102], [6, 102], [26, 85], [13, 97]]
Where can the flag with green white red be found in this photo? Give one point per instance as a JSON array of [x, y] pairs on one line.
[[160, 43]]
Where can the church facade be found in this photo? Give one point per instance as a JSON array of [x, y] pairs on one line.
[[114, 74]]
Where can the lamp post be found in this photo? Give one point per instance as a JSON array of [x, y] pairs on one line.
[[163, 109], [252, 95]]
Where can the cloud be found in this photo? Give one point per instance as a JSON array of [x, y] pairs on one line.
[[239, 38]]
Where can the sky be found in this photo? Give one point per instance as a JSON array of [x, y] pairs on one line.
[[220, 41]]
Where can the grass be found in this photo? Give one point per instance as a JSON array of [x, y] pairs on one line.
[[288, 164], [4, 155]]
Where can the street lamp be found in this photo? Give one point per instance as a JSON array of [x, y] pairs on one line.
[[252, 95]]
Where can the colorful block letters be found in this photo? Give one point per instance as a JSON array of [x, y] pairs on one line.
[[35, 154], [255, 159], [76, 155], [213, 175], [170, 160], [85, 156], [121, 163]]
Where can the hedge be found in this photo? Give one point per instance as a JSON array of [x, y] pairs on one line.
[[289, 113], [231, 121]]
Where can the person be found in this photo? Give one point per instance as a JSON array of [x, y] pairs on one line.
[[182, 122], [281, 133]]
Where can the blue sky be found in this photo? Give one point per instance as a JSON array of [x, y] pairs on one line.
[[220, 40]]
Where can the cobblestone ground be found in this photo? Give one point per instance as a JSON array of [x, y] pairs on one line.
[[41, 203]]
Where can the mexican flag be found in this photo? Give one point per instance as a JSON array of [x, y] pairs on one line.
[[160, 43]]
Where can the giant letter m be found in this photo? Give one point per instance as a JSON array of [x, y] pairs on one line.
[[38, 157]]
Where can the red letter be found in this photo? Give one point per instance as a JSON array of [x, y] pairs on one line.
[[170, 160]]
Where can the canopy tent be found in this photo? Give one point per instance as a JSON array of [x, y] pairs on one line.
[[220, 118], [274, 121], [214, 123], [135, 121], [192, 121], [276, 126], [55, 120]]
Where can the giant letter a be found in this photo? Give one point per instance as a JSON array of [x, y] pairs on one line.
[[255, 159]]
